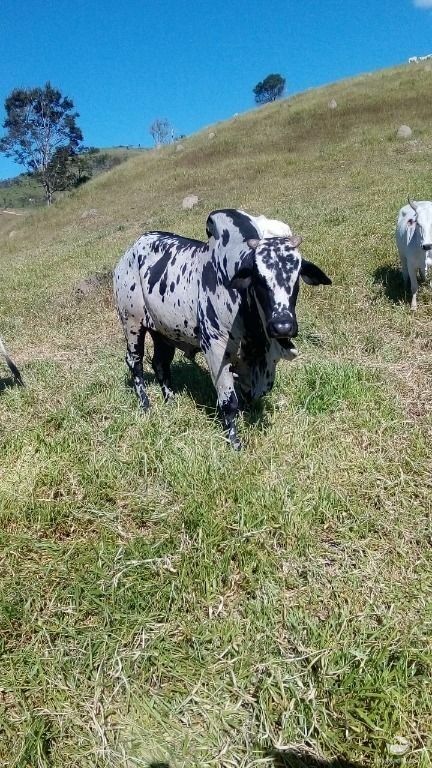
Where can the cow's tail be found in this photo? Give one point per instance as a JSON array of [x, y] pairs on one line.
[[12, 367]]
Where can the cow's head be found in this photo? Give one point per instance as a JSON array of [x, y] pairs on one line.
[[421, 223], [272, 270], [270, 267]]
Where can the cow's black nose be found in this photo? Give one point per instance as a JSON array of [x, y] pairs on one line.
[[285, 330], [427, 246]]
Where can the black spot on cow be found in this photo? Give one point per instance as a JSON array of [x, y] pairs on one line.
[[211, 315], [178, 279], [202, 331], [225, 237], [156, 272], [243, 224], [185, 323], [209, 278], [139, 344], [172, 287], [163, 284], [132, 288]]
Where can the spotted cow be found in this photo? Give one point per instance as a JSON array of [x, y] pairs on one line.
[[232, 297], [11, 365]]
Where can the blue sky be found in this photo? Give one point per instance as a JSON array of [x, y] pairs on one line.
[[124, 64]]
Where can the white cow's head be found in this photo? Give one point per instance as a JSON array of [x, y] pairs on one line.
[[420, 223]]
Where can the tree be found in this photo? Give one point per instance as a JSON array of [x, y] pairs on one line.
[[68, 169], [162, 131], [270, 89], [41, 133]]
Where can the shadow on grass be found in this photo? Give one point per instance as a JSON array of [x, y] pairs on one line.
[[7, 383], [390, 278], [159, 765], [189, 377], [294, 759]]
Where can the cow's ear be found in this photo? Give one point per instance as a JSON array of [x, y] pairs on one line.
[[295, 240], [313, 275], [243, 277]]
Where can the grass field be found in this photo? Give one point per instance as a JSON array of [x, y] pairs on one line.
[[163, 600]]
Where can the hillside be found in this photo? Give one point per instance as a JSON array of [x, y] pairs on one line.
[[24, 192], [162, 599]]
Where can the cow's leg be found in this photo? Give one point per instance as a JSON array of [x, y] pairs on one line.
[[223, 379], [161, 362], [405, 272], [135, 335], [11, 365], [15, 372], [412, 271], [404, 267]]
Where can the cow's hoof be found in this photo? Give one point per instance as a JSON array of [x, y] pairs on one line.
[[168, 394], [144, 403], [232, 438], [235, 442]]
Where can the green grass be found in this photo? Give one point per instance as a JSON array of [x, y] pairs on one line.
[[162, 599]]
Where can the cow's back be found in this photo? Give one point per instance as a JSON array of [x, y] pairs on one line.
[[160, 274]]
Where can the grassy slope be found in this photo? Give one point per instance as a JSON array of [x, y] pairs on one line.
[[160, 597], [23, 192]]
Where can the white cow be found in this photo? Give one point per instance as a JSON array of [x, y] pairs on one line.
[[413, 60], [414, 242], [271, 227]]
